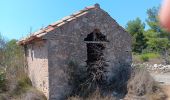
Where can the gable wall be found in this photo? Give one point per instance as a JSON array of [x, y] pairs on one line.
[[38, 65], [66, 44]]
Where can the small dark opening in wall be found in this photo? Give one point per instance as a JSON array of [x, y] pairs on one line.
[[96, 42], [96, 35], [95, 45], [32, 52], [26, 52]]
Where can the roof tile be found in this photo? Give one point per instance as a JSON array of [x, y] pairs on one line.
[[54, 25]]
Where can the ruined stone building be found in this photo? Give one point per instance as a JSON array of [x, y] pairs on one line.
[[73, 38]]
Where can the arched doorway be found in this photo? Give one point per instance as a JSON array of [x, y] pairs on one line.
[[96, 64]]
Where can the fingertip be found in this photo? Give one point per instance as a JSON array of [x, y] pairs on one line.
[[164, 15]]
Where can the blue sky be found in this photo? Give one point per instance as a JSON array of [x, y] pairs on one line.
[[18, 16]]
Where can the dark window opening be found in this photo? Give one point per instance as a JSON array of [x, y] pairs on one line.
[[26, 51], [32, 52], [96, 35], [96, 64]]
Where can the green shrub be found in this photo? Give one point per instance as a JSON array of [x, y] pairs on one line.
[[23, 84], [152, 55], [144, 58]]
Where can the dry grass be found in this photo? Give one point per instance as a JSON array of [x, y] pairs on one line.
[[166, 89], [140, 86], [143, 85], [94, 96], [117, 85], [31, 94], [140, 83], [21, 90]]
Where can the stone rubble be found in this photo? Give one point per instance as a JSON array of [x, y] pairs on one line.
[[158, 68]]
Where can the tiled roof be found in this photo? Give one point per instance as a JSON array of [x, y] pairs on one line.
[[42, 32]]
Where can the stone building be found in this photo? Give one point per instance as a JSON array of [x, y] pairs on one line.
[[74, 38]]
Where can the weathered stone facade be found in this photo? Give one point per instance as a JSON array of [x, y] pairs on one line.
[[63, 42], [37, 61]]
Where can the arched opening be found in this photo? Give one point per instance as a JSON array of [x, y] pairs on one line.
[[96, 64]]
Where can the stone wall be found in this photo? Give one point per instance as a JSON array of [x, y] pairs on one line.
[[36, 56], [67, 44]]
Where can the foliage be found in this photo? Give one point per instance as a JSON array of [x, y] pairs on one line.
[[152, 19], [150, 34], [134, 26], [14, 83], [152, 55], [158, 38], [154, 39], [153, 23], [16, 51], [158, 44], [23, 84], [2, 42], [144, 58], [136, 29], [2, 81]]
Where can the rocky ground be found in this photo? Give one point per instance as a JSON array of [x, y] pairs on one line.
[[154, 68]]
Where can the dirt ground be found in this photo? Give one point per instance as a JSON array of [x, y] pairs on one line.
[[164, 80], [167, 91]]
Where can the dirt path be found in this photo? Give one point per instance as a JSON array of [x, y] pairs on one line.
[[162, 78]]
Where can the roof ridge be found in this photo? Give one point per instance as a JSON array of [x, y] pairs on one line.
[[74, 14], [59, 23]]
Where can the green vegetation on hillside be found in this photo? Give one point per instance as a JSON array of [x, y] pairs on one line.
[[154, 40], [14, 82]]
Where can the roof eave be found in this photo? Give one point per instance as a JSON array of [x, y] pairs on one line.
[[29, 40], [51, 27]]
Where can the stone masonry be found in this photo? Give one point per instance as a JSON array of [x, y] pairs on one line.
[[49, 50]]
